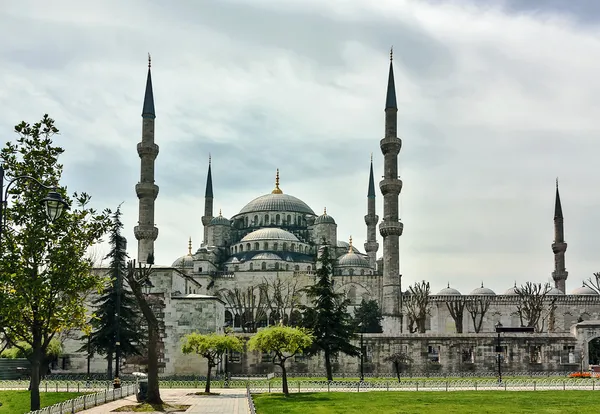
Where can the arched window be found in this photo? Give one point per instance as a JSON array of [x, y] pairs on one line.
[[352, 294], [251, 266], [289, 220], [351, 272], [287, 266], [266, 219], [276, 266], [255, 221], [263, 266], [248, 247], [293, 247], [246, 221], [275, 246], [308, 268], [277, 219], [256, 246], [362, 272], [266, 245], [285, 247], [236, 268], [235, 249], [296, 268], [228, 318], [241, 248]]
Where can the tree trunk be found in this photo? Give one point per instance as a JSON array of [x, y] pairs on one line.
[[328, 366], [208, 374], [284, 382], [153, 386], [109, 360], [36, 362], [397, 366]]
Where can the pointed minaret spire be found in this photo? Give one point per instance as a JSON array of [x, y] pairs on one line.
[[371, 219], [148, 108], [146, 190], [390, 100], [277, 190], [559, 247], [208, 201]]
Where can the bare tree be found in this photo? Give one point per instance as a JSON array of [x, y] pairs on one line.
[[417, 306], [281, 296], [456, 307], [532, 304], [249, 303], [594, 283], [400, 360], [477, 308]]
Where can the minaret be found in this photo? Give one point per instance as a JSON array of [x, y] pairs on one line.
[[371, 219], [391, 227], [559, 247], [208, 202], [145, 232]]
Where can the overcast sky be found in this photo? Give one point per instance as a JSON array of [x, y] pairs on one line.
[[496, 99]]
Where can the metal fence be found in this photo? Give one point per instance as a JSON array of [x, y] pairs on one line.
[[88, 401], [251, 407], [62, 385]]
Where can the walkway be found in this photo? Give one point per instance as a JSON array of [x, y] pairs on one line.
[[230, 401]]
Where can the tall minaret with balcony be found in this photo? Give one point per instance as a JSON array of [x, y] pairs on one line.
[[371, 219], [146, 232], [559, 247], [208, 203], [391, 228]]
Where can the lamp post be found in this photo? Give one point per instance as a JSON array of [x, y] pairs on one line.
[[53, 203], [226, 384], [362, 357], [499, 352]]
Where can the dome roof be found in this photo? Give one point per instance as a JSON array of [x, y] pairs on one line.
[[266, 256], [324, 218], [584, 290], [448, 291], [352, 259], [277, 202], [483, 291], [270, 234], [220, 220], [346, 245], [511, 291], [185, 262]]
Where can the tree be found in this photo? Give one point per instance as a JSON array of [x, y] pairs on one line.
[[456, 308], [137, 278], [212, 347], [116, 297], [594, 283], [249, 303], [328, 318], [532, 307], [417, 306], [281, 297], [44, 273], [24, 351], [368, 317], [477, 308], [400, 360], [283, 342]]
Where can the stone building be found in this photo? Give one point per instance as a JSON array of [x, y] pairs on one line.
[[273, 241]]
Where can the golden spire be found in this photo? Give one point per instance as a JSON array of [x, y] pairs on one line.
[[277, 190], [190, 247], [350, 248]]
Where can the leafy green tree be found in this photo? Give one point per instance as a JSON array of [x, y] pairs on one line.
[[104, 321], [212, 347], [24, 351], [283, 342], [327, 317], [367, 317], [45, 274]]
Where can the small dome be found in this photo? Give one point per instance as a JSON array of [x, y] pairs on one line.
[[185, 262], [448, 291], [266, 256], [511, 291], [324, 218], [584, 290], [554, 292], [270, 234], [352, 259], [220, 221], [483, 291]]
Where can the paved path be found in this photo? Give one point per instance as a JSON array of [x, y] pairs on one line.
[[230, 401]]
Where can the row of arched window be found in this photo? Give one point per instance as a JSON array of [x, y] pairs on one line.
[[263, 266], [274, 246], [274, 219]]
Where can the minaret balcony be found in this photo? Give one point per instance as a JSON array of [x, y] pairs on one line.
[[371, 220], [146, 149], [390, 145], [391, 228], [145, 233], [146, 190], [371, 246], [559, 247], [390, 186]]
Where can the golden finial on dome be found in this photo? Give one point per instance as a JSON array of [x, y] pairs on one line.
[[190, 247], [350, 248], [277, 190]]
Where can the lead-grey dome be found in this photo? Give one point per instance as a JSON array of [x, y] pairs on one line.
[[351, 259], [220, 221], [184, 262], [324, 218], [270, 234], [584, 290], [483, 291], [277, 202], [448, 291]]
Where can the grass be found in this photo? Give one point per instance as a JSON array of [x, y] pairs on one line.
[[17, 402], [490, 402], [152, 408]]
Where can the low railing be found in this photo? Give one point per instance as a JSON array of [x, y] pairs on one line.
[[251, 407], [84, 402]]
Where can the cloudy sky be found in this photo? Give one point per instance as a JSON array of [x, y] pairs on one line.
[[496, 99]]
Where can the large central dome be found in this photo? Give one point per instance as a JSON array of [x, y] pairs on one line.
[[277, 202]]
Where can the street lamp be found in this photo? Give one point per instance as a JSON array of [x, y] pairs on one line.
[[54, 204], [148, 287], [499, 352], [362, 357], [225, 328]]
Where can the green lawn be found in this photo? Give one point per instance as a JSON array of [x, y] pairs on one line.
[[458, 402], [17, 402]]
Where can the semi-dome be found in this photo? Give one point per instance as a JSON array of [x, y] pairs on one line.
[[220, 220], [266, 256], [270, 234], [483, 291], [448, 291], [324, 218], [584, 290]]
